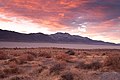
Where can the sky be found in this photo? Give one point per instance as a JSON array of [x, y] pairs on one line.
[[96, 19]]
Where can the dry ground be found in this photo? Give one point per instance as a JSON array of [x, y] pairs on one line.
[[58, 63]]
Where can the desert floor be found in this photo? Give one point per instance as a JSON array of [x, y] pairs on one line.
[[59, 64]]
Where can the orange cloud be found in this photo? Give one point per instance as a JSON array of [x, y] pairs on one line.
[[42, 10]]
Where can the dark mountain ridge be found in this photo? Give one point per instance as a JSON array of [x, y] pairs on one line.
[[53, 38]]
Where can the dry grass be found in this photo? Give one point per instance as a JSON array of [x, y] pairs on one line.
[[113, 62], [20, 78], [56, 63], [57, 68], [45, 54], [11, 71], [26, 57], [62, 57], [93, 65], [67, 76], [2, 74], [3, 56]]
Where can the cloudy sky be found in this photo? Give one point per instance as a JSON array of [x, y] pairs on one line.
[[96, 19]]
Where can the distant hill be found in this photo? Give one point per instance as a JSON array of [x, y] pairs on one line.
[[53, 38]]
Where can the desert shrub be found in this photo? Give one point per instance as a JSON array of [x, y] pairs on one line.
[[3, 56], [113, 61], [62, 57], [93, 65], [2, 74], [39, 70], [12, 70], [36, 71], [16, 78], [85, 53], [32, 53], [15, 61], [44, 54], [21, 77], [70, 52], [67, 76], [55, 69], [80, 65], [103, 54], [26, 57], [13, 64], [71, 75]]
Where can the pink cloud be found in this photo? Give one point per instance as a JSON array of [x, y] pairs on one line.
[[58, 15]]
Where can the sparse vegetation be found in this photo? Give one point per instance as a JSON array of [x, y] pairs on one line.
[[45, 54], [3, 56], [93, 65], [70, 52], [113, 61], [20, 78], [2, 74], [11, 70], [62, 57], [67, 76], [55, 69], [26, 57], [56, 63]]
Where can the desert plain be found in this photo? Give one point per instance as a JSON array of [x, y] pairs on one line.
[[59, 64]]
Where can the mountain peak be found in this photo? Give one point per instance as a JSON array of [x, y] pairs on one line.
[[61, 33]]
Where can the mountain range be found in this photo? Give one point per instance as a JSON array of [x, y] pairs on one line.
[[58, 37]]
